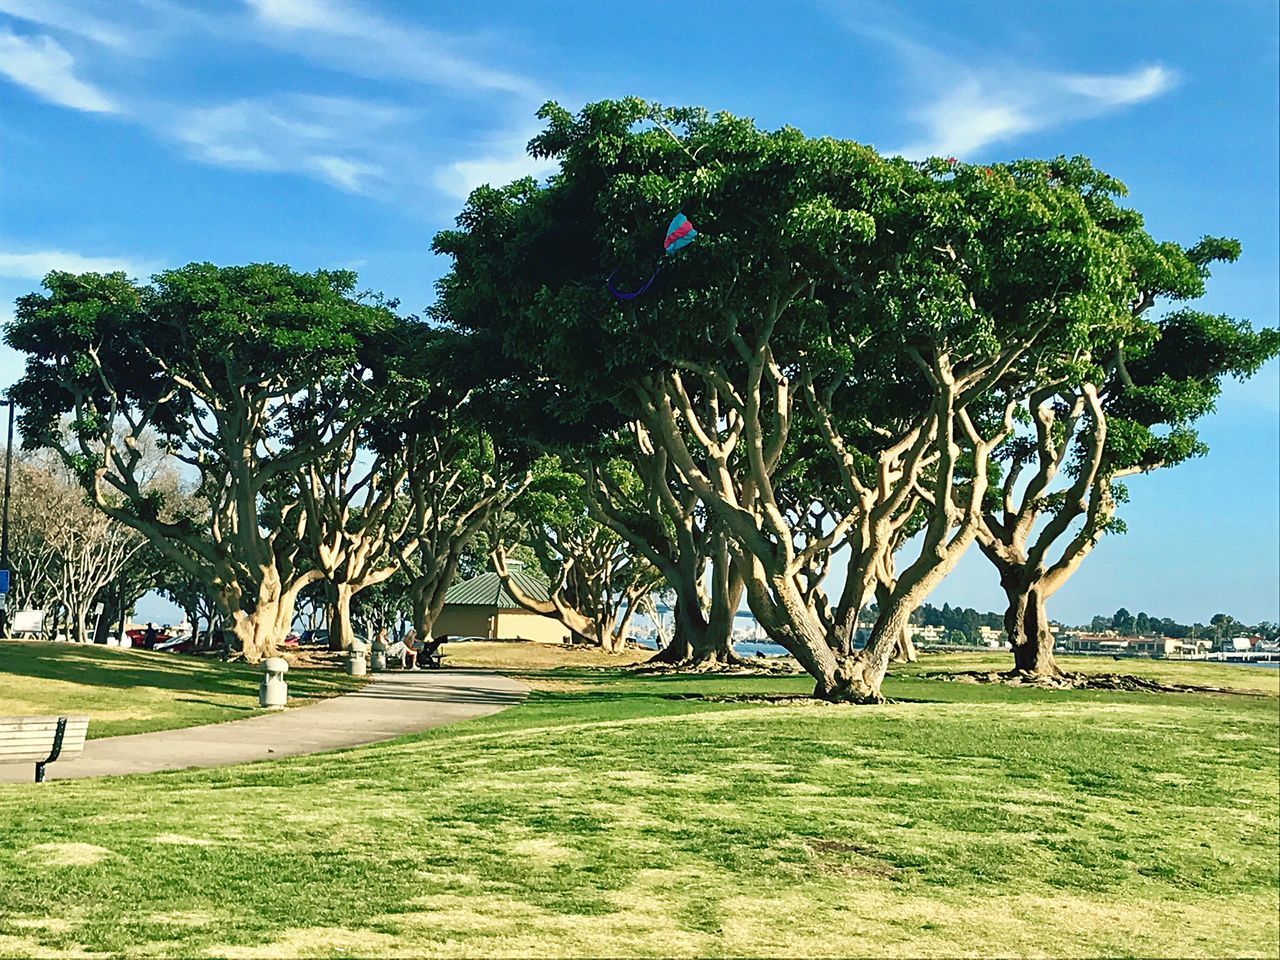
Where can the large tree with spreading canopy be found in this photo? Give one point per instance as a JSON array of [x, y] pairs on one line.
[[903, 310], [246, 375]]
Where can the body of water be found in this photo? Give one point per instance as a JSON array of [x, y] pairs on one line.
[[743, 648]]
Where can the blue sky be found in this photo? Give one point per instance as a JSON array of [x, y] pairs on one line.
[[140, 134]]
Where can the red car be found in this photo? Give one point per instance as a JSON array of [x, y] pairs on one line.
[[140, 638]]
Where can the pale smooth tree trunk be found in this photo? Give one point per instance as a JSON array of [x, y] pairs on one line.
[[341, 630], [1027, 627], [904, 650], [261, 630]]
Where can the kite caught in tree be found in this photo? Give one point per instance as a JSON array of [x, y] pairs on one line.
[[679, 234]]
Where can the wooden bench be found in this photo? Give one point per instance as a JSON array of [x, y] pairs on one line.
[[41, 740]]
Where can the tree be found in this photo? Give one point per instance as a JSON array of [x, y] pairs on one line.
[[466, 461], [648, 505], [1122, 621], [596, 582], [905, 309], [1128, 405], [1142, 624], [241, 373], [63, 552]]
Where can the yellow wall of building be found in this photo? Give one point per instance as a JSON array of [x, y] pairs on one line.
[[522, 625], [471, 621], [464, 622]]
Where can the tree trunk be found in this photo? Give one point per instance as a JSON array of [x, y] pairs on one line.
[[80, 631], [703, 637], [904, 650], [689, 625], [1027, 626], [341, 630], [716, 644], [260, 631], [257, 631]]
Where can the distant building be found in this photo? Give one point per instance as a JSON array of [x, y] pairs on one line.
[[991, 636], [1112, 643], [926, 635], [481, 607]]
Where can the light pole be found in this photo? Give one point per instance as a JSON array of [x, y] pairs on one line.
[[4, 525]]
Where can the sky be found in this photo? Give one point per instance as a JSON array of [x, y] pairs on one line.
[[144, 134]]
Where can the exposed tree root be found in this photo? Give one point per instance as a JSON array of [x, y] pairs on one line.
[[1082, 681], [739, 666], [776, 699]]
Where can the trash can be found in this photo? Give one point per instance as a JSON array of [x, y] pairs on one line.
[[273, 691], [378, 658], [358, 660]]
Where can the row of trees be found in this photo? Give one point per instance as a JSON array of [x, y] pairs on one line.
[[65, 557], [1220, 625], [856, 354]]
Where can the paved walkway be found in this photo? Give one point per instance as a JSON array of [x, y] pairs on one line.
[[393, 704]]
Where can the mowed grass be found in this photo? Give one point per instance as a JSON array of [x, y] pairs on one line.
[[138, 691], [1262, 679], [522, 656], [615, 814]]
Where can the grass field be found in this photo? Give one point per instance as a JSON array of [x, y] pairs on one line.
[[616, 814], [137, 691]]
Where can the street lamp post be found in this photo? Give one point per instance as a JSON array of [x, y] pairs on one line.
[[4, 525]]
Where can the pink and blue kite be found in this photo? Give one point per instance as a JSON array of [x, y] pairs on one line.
[[680, 234]]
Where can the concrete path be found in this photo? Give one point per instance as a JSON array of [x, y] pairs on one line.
[[394, 704]]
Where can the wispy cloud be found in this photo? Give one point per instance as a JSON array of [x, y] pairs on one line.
[[340, 33], [336, 140], [495, 165], [68, 17], [33, 265], [391, 144], [969, 106], [994, 105], [43, 66]]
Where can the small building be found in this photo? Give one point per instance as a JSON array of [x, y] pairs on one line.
[[481, 607]]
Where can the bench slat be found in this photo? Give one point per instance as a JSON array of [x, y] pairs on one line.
[[40, 731], [30, 739], [70, 741], [72, 729], [36, 756]]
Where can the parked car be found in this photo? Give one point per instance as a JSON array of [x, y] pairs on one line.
[[314, 636], [147, 638]]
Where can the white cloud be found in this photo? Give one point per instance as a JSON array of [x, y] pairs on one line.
[[339, 141], [1120, 90], [71, 18], [993, 105], [969, 107], [349, 175], [363, 145], [33, 265], [497, 167], [341, 34], [43, 66]]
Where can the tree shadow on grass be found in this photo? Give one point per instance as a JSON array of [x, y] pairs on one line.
[[214, 703], [122, 669]]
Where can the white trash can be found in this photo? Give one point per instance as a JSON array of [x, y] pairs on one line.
[[358, 660], [273, 691]]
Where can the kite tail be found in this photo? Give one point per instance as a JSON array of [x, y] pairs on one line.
[[623, 295]]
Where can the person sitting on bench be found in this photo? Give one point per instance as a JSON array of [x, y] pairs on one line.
[[405, 651]]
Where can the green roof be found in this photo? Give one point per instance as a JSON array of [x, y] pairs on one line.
[[487, 590]]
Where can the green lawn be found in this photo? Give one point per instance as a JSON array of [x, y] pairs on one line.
[[660, 815], [136, 691], [1191, 672]]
